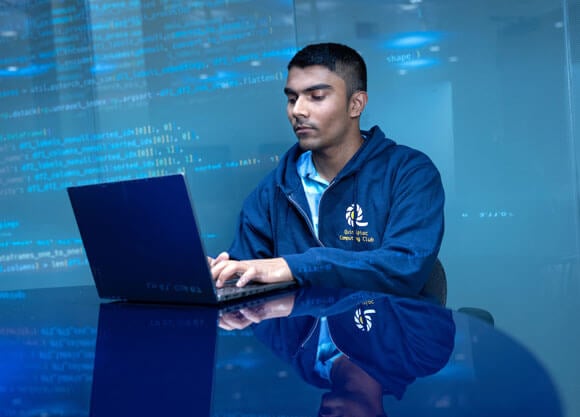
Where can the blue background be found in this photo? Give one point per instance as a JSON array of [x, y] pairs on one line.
[[96, 91]]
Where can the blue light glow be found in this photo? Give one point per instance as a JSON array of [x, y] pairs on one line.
[[419, 63], [31, 70], [102, 68], [411, 40]]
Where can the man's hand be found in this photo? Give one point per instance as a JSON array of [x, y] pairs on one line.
[[257, 270], [237, 320]]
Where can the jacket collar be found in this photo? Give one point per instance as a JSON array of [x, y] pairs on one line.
[[286, 174]]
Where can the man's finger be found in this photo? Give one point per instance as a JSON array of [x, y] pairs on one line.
[[223, 256], [235, 320], [216, 270], [255, 315], [228, 270], [224, 325], [250, 274]]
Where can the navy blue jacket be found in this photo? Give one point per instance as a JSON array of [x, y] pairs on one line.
[[380, 220]]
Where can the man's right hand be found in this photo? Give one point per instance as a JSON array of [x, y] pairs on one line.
[[258, 270]]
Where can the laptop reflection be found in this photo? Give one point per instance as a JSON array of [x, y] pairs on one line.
[[153, 360]]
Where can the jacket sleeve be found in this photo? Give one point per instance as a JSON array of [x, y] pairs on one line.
[[410, 242]]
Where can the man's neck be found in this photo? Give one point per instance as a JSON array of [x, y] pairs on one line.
[[330, 162]]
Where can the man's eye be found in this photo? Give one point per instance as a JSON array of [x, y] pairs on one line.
[[291, 100], [316, 97]]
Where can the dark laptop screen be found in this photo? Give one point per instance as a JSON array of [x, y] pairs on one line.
[[142, 240]]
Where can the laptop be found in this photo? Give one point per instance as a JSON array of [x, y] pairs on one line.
[[142, 242]]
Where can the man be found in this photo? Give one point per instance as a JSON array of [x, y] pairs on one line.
[[345, 207]]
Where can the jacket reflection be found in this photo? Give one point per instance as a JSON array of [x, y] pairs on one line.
[[360, 346]]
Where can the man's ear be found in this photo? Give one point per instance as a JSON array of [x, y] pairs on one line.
[[358, 102]]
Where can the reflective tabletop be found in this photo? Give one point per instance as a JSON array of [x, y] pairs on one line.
[[307, 352]]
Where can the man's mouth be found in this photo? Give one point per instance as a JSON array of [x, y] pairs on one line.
[[302, 129]]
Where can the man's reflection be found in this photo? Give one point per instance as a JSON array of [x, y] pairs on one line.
[[353, 392], [359, 346]]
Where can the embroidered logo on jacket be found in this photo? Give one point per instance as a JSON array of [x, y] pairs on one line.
[[354, 215], [363, 319]]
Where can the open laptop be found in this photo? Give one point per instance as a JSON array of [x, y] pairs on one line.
[[142, 242]]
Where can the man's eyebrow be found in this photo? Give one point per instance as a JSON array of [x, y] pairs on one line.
[[289, 91]]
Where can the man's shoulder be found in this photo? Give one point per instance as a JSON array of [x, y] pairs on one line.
[[409, 153], [385, 147], [400, 163], [399, 156]]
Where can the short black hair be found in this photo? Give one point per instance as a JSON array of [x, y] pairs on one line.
[[340, 59]]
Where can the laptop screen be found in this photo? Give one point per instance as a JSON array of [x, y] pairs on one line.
[[142, 240]]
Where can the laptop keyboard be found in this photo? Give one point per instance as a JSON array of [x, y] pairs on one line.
[[229, 290]]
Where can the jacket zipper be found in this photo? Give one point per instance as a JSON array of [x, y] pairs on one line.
[[309, 335], [305, 216], [303, 213]]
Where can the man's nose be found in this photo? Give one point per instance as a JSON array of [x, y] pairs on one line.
[[300, 108]]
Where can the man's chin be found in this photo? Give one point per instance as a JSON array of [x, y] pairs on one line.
[[331, 404], [306, 143], [345, 404]]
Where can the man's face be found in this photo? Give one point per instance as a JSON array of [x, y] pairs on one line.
[[318, 108]]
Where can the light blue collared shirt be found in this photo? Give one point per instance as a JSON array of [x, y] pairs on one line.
[[314, 185], [327, 351]]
